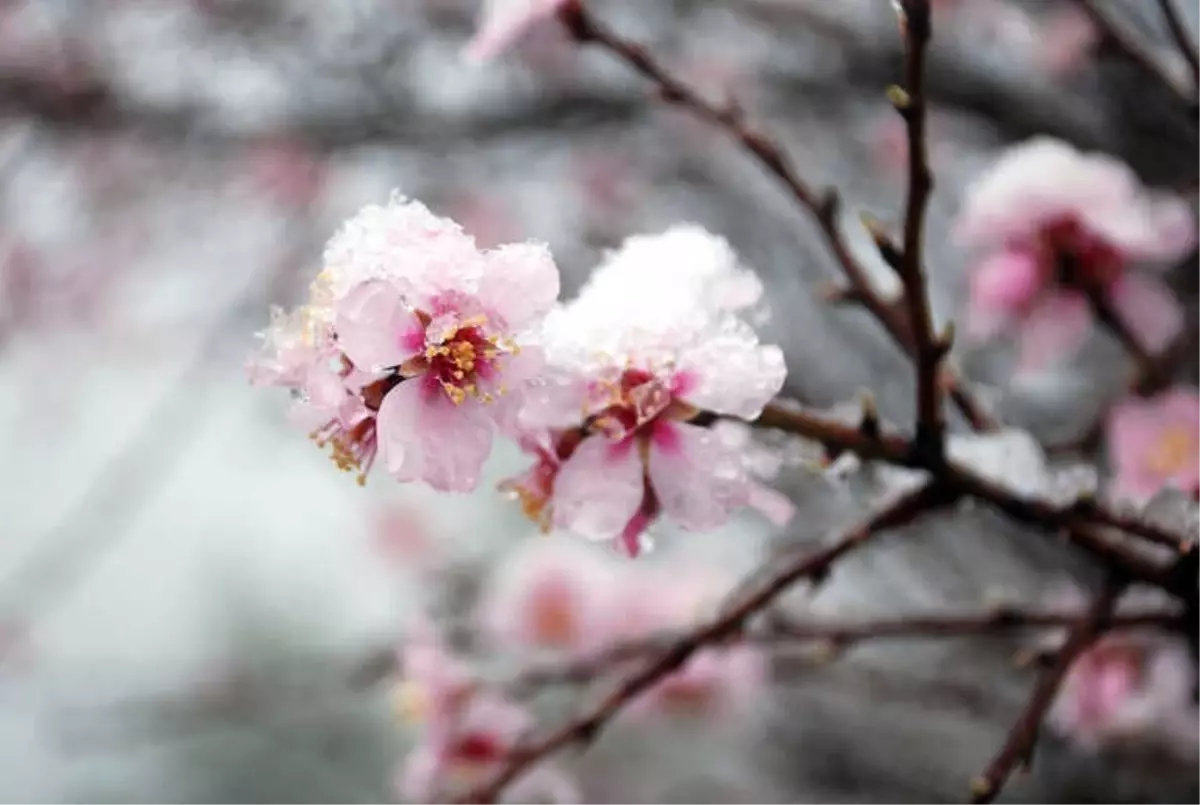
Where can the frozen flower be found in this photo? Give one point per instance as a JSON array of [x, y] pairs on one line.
[[653, 339], [1054, 225], [1155, 443], [1130, 686], [466, 732], [503, 22], [409, 334], [551, 593]]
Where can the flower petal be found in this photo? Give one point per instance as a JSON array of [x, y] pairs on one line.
[[1148, 308], [519, 283], [730, 372], [424, 436], [375, 329], [1056, 328], [698, 481], [599, 488]]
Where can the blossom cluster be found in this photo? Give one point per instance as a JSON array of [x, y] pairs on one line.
[[561, 599], [419, 348]]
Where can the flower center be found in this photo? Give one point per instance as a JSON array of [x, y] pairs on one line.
[[350, 447], [1174, 450], [461, 357], [634, 400], [411, 702]]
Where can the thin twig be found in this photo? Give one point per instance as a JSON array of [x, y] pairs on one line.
[[1135, 52], [585, 728], [928, 351], [822, 205], [1183, 40], [1018, 746]]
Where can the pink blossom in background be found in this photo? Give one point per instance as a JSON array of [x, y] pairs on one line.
[[503, 22], [1155, 443], [1130, 687], [286, 172], [465, 731], [553, 593], [724, 680], [1049, 222], [411, 344], [653, 338], [1066, 38], [403, 538]]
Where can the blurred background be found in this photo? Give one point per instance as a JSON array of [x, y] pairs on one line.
[[188, 586]]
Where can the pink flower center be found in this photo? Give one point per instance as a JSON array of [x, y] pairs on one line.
[[1082, 260], [474, 748], [554, 621], [1175, 450], [351, 447], [459, 358], [634, 401]]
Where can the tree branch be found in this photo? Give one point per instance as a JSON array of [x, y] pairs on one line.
[[822, 205], [1183, 40], [585, 727], [928, 352], [1019, 745]]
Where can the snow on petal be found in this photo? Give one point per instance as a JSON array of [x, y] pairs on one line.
[[730, 372], [696, 480], [520, 283]]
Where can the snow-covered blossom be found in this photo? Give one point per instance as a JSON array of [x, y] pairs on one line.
[[503, 22], [411, 343], [466, 732], [654, 338], [1155, 443], [552, 593], [1054, 224]]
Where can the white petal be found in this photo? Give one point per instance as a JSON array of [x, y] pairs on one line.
[[697, 480]]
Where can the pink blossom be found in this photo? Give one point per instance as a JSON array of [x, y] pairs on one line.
[[551, 593], [411, 344], [723, 680], [1130, 686], [466, 731], [653, 338], [1054, 224], [1156, 443], [503, 22]]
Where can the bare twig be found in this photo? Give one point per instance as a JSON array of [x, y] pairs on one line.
[[584, 728], [823, 205], [1018, 746], [928, 352], [1120, 40], [1183, 40]]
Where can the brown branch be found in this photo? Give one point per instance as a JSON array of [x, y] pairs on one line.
[[1183, 40], [928, 352], [822, 205], [1018, 746], [584, 728], [1116, 37]]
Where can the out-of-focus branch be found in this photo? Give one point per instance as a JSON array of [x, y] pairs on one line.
[[928, 352], [585, 727], [1183, 40], [822, 205], [1019, 745], [1115, 36]]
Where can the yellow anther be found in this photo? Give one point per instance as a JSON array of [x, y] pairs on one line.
[[411, 702]]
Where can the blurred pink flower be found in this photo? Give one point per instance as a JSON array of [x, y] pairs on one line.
[[466, 731], [1055, 223], [286, 172], [1066, 37], [1156, 443], [1130, 686], [653, 338], [723, 680], [503, 22], [551, 593]]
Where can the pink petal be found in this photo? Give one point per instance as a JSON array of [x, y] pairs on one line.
[[503, 22], [423, 436], [1008, 280], [1148, 308], [375, 329], [599, 488], [417, 780], [1056, 328], [771, 504], [697, 481], [730, 372], [520, 283]]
